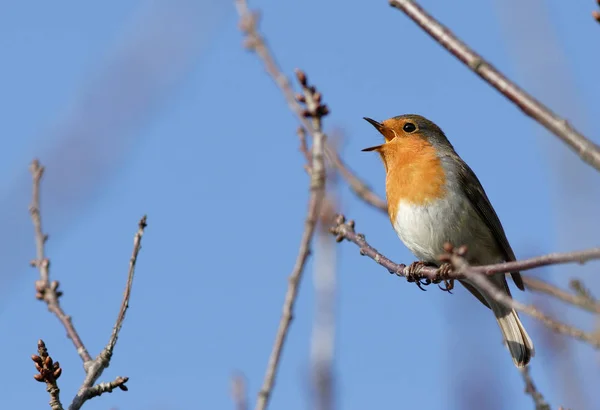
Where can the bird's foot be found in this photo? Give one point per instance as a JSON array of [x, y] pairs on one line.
[[413, 274], [442, 276]]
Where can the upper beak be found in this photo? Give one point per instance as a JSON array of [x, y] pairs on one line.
[[374, 123], [379, 128]]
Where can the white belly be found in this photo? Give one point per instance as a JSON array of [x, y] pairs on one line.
[[425, 229]]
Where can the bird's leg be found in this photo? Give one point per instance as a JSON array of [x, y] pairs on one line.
[[413, 274]]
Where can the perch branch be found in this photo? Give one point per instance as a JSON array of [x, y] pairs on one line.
[[462, 270]]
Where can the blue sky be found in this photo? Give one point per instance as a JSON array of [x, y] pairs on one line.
[[190, 131]]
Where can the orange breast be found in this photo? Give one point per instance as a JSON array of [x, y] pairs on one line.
[[414, 173]]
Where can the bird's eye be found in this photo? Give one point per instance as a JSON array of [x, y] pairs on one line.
[[409, 127]]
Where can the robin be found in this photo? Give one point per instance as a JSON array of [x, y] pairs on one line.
[[434, 197]]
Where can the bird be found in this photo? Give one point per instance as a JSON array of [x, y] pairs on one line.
[[434, 197]]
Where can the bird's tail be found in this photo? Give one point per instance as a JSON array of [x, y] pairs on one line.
[[517, 340]]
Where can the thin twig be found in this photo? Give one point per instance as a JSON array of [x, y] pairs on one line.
[[531, 389], [48, 372], [102, 361], [254, 41], [45, 290], [98, 389], [587, 150], [581, 301], [462, 270], [315, 111]]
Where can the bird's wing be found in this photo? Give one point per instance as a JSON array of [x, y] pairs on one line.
[[481, 203]]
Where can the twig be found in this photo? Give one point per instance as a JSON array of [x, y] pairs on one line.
[[49, 372], [98, 389], [315, 111], [531, 389], [579, 300], [586, 149], [45, 290], [255, 42], [137, 245], [102, 361], [462, 270]]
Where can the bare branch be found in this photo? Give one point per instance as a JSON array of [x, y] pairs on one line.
[[137, 245], [531, 389], [49, 372], [462, 270], [94, 370], [310, 117], [345, 230], [587, 150], [101, 388], [315, 111], [255, 42], [45, 290]]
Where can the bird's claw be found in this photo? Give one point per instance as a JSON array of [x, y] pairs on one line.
[[442, 276], [414, 275]]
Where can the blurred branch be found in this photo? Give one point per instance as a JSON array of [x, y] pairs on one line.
[[596, 13], [460, 269], [94, 370], [582, 301], [531, 389], [587, 150], [49, 372], [323, 333], [238, 392], [45, 290]]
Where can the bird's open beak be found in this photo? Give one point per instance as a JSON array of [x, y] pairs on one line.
[[379, 128]]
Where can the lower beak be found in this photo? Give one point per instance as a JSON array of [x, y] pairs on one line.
[[375, 148]]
